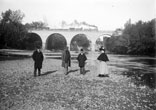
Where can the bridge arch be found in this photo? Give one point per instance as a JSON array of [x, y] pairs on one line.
[[79, 41], [55, 41], [32, 40], [101, 40]]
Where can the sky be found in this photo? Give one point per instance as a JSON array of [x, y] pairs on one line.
[[105, 14]]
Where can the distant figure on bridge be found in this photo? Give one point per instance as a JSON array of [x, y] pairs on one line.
[[103, 65], [66, 60], [38, 59], [81, 59]]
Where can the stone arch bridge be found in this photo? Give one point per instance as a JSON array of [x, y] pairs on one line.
[[91, 35]]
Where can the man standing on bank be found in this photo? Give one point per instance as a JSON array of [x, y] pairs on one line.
[[38, 59], [103, 65], [66, 60], [81, 59]]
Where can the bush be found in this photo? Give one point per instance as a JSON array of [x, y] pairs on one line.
[[56, 41]]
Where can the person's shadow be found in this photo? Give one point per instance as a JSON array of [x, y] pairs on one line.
[[48, 72], [103, 75], [86, 71], [77, 70], [70, 71]]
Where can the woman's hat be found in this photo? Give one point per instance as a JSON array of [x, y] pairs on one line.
[[102, 49]]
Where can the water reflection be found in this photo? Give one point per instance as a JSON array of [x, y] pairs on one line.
[[141, 79], [141, 70], [150, 62]]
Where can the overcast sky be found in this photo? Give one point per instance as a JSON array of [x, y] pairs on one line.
[[106, 14]]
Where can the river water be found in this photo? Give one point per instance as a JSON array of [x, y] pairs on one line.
[[141, 69]]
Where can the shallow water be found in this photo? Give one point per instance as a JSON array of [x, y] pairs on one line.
[[141, 70]]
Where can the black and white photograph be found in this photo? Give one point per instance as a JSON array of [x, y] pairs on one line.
[[77, 55]]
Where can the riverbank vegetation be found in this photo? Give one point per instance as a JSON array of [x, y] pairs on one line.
[[14, 34], [136, 39]]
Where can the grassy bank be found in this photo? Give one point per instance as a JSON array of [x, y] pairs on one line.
[[53, 90]]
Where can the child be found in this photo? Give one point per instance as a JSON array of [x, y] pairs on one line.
[[38, 59], [81, 59]]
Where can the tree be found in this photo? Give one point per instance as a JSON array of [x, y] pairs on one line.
[[12, 16], [11, 29], [36, 25], [99, 42], [138, 39]]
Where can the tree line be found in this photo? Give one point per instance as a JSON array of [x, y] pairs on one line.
[[15, 35], [36, 25], [136, 39]]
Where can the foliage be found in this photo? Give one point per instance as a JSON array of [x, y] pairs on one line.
[[99, 42], [56, 41], [79, 40], [12, 16], [12, 31], [36, 25], [138, 39]]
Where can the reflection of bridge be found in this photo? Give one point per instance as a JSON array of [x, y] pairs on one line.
[[91, 35]]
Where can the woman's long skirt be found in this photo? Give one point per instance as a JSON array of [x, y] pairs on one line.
[[103, 68]]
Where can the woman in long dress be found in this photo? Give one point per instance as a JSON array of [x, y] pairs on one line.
[[103, 65]]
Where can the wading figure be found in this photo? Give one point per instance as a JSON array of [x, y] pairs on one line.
[[81, 59], [103, 65], [38, 59], [66, 60]]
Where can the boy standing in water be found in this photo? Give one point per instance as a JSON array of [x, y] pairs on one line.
[[38, 59], [81, 59]]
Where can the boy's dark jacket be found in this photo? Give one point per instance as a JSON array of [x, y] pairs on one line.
[[38, 59], [81, 59]]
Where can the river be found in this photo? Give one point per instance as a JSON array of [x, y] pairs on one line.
[[141, 69]]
